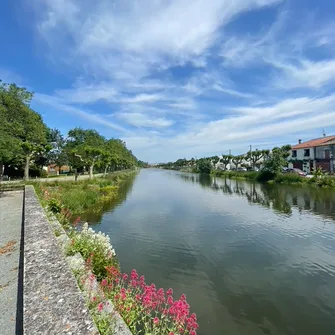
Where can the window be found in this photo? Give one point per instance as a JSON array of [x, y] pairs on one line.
[[294, 153], [306, 152]]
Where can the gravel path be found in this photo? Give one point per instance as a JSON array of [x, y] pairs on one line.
[[10, 237]]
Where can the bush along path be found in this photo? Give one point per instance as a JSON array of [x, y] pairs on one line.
[[112, 295]]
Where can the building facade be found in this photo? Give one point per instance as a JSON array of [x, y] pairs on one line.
[[313, 154]]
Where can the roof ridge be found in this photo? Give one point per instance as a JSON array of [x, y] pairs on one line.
[[319, 138]]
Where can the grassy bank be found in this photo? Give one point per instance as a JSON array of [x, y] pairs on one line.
[[287, 178], [81, 196]]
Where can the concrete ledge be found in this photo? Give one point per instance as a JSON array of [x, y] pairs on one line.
[[52, 301], [119, 327]]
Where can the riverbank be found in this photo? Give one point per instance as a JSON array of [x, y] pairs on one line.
[[76, 198], [288, 178]]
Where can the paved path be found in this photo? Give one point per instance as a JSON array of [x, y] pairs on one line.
[[10, 237], [60, 178]]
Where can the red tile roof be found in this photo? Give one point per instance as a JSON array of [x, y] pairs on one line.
[[314, 143]]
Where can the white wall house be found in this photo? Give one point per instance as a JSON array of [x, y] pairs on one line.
[[310, 155]]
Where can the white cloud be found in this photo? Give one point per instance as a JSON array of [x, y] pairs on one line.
[[187, 104], [55, 103], [88, 94], [286, 52], [130, 37], [249, 126], [144, 120], [306, 74]]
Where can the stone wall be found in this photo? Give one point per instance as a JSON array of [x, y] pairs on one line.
[[52, 301]]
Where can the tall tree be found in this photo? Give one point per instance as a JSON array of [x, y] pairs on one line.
[[255, 156], [237, 160], [277, 159], [57, 154], [22, 128], [204, 166], [226, 160], [87, 145]]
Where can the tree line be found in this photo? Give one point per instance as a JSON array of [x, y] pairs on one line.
[[272, 160], [27, 143]]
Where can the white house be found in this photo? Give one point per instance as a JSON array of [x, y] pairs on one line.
[[309, 155]]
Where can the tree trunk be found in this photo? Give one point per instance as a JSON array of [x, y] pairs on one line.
[[2, 168], [26, 168], [91, 171], [105, 172]]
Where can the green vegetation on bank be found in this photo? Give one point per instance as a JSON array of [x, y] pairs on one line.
[[320, 180], [77, 198], [27, 145]]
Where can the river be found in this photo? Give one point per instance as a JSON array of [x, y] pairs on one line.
[[252, 259]]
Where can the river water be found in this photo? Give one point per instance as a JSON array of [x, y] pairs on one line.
[[251, 258]]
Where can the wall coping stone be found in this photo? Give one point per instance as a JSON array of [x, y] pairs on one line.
[[52, 301]]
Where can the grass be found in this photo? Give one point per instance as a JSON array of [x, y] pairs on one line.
[[290, 178], [81, 196], [249, 175]]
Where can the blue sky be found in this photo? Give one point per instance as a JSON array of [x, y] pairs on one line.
[[182, 78]]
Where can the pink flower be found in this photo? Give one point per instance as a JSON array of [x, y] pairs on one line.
[[100, 307], [104, 282], [134, 274], [156, 321], [124, 276], [169, 291], [171, 333]]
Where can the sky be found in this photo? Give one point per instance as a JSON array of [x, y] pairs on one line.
[[176, 78]]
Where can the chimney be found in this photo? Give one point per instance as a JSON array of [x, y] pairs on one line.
[[299, 141]]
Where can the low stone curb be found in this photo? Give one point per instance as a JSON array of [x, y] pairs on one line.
[[52, 301]]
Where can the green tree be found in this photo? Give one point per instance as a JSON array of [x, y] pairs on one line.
[[237, 160], [277, 159], [255, 156], [23, 133], [226, 160], [204, 166], [84, 148], [57, 154]]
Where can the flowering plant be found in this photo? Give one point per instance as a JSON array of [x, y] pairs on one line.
[[94, 247], [146, 309]]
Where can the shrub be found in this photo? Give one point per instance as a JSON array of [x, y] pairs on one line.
[[325, 181], [289, 178], [265, 175], [54, 206], [204, 166], [95, 248]]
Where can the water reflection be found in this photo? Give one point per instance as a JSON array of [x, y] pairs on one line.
[[281, 198], [125, 188], [252, 259]]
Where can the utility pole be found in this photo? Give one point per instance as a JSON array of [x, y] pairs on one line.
[[250, 147], [229, 152]]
